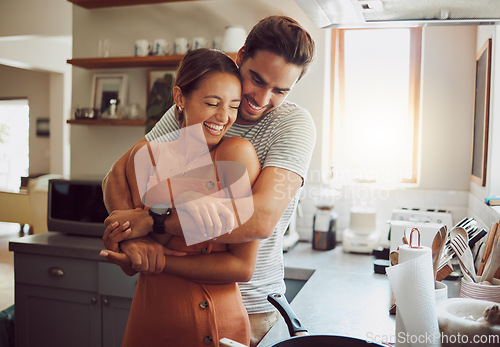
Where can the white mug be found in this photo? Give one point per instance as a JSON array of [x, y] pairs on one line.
[[199, 42], [142, 48], [160, 47], [217, 43], [181, 45], [104, 48]]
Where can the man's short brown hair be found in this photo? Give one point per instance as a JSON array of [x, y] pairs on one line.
[[284, 37]]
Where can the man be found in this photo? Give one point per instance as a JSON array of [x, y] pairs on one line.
[[275, 56]]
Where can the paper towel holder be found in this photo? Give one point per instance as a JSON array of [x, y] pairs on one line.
[[411, 236]]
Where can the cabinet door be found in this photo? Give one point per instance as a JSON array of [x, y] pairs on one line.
[[115, 312], [46, 316]]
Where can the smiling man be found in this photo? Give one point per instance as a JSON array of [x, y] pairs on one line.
[[276, 54]]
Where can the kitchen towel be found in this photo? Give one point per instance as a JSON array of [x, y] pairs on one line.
[[412, 283]]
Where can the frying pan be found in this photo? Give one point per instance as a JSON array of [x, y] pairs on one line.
[[295, 327]]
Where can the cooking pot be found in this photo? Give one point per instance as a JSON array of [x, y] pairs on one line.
[[295, 328]]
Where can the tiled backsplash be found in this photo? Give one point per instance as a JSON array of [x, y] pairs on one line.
[[484, 214], [459, 203]]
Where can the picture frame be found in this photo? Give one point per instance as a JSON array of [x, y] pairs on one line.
[[481, 115], [106, 87], [158, 75], [43, 127], [160, 83]]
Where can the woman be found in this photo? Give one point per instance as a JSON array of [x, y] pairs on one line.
[[169, 310]]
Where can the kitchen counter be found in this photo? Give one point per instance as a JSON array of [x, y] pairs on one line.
[[61, 245], [344, 296]]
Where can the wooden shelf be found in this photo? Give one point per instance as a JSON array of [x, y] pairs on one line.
[[90, 4], [129, 122], [124, 62], [115, 62]]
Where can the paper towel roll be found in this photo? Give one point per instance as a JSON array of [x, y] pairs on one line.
[[412, 283], [407, 253]]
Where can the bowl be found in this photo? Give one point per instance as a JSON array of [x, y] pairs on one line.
[[458, 323]]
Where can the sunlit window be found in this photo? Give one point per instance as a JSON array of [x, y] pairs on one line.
[[14, 143], [375, 120]]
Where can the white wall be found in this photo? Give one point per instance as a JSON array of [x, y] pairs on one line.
[[35, 17], [477, 207], [36, 36], [447, 99]]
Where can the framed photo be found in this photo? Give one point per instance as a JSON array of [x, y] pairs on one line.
[[108, 87], [481, 115], [159, 94], [43, 127]]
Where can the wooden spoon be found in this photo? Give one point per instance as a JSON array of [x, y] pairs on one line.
[[492, 263], [437, 247]]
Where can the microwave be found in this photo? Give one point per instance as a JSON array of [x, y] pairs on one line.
[[76, 207]]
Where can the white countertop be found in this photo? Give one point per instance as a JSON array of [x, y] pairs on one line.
[[344, 296]]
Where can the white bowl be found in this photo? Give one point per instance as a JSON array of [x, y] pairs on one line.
[[458, 330]]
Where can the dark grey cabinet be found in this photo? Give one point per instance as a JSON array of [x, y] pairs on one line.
[[62, 301]]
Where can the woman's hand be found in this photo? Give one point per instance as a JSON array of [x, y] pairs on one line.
[[211, 217], [125, 224]]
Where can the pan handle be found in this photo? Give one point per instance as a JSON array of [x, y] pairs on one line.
[[292, 321]]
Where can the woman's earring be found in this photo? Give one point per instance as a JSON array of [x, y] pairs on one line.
[[179, 109]]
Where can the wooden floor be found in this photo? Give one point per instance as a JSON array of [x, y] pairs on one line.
[[8, 232]]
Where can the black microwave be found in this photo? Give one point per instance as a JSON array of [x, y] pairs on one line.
[[76, 207]]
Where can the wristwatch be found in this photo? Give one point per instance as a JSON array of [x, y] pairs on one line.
[[159, 213]]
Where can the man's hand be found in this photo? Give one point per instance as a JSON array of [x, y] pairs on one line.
[[211, 217], [147, 255]]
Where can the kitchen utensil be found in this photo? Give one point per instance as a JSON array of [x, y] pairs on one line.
[[492, 263], [463, 252], [444, 270], [295, 327], [487, 248], [437, 247], [394, 258]]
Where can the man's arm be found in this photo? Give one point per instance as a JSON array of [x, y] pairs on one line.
[[115, 187], [272, 193]]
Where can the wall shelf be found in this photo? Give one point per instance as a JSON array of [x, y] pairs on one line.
[[125, 62], [129, 122], [115, 62], [90, 4]]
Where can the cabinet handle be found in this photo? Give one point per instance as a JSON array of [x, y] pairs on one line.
[[105, 302], [93, 301], [56, 272]]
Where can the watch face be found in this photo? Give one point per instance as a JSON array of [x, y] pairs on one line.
[[159, 209]]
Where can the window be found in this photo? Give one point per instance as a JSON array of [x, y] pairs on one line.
[[376, 99], [14, 143]]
